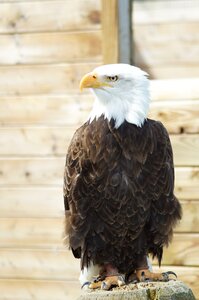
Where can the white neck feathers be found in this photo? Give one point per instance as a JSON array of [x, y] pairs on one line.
[[130, 104]]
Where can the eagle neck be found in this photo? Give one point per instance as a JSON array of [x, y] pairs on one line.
[[131, 107]]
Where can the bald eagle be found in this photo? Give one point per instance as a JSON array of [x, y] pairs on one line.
[[119, 181]]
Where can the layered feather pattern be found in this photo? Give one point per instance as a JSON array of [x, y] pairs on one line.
[[118, 193]]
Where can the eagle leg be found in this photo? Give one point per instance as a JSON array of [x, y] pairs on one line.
[[110, 278], [145, 274]]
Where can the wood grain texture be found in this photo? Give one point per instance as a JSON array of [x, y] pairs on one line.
[[183, 251], [185, 144], [110, 31], [174, 102], [49, 264], [45, 141], [46, 110], [57, 264], [40, 16], [156, 12], [161, 22], [168, 43], [170, 35], [48, 171], [48, 203], [171, 71], [44, 48], [42, 79], [35, 141], [177, 116], [19, 289], [45, 202], [32, 171], [174, 89], [187, 182], [48, 233], [190, 217], [32, 233]]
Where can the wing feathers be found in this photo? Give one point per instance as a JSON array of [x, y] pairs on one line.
[[118, 185]]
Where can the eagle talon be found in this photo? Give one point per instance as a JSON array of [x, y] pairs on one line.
[[146, 275], [85, 284], [99, 278], [95, 285], [105, 286], [166, 275], [117, 280]]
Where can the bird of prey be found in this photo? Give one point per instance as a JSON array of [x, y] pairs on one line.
[[119, 181]]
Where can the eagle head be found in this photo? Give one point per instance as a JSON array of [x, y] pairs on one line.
[[121, 93]]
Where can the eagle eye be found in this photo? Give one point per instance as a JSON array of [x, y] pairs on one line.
[[112, 78]]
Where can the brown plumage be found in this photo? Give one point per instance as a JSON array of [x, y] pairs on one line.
[[118, 193], [119, 177]]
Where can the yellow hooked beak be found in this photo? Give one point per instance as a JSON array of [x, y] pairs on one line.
[[91, 80]]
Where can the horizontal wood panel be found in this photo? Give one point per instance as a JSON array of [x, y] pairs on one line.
[[45, 110], [185, 144], [30, 80], [38, 16], [174, 89], [14, 289], [36, 141], [177, 116], [38, 264], [189, 275], [42, 79], [29, 106], [187, 182], [49, 172], [190, 217], [48, 203], [44, 48], [32, 232], [171, 71], [41, 289], [161, 11], [31, 202], [32, 171], [183, 250], [166, 44], [61, 265], [34, 289], [44, 233]]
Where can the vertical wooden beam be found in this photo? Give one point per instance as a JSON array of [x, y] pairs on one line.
[[110, 31], [116, 31]]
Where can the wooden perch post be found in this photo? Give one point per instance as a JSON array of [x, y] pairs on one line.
[[172, 290]]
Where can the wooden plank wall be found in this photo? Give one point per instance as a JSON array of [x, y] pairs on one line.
[[166, 46], [46, 47], [166, 37]]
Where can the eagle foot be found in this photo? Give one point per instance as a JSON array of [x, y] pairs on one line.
[[107, 282], [146, 275]]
